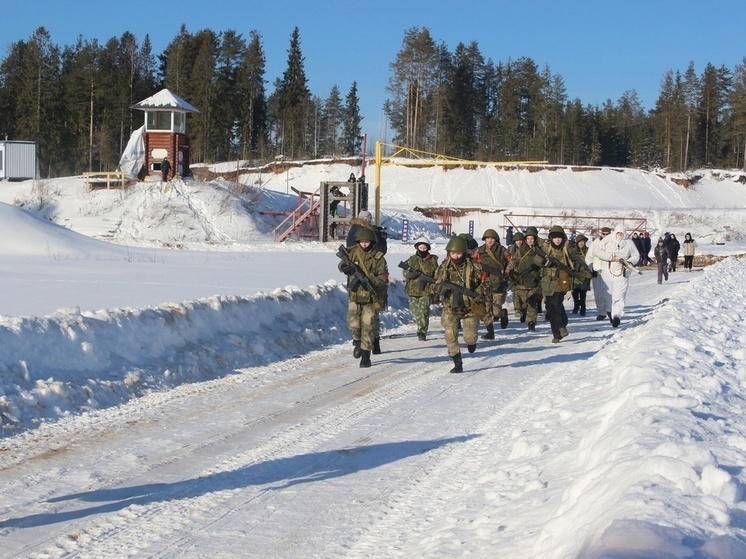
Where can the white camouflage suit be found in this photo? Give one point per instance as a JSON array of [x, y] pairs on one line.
[[615, 246], [601, 280]]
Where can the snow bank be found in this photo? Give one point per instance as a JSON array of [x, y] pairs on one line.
[[71, 362], [667, 421]]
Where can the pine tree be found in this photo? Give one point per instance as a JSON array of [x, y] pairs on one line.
[[715, 84], [352, 141], [554, 97], [411, 85], [690, 92], [38, 113], [290, 103], [463, 102], [253, 119], [331, 123], [738, 114]]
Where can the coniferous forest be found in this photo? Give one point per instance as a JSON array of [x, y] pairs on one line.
[[75, 102]]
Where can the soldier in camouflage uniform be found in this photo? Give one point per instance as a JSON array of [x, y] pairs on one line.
[[580, 285], [459, 268], [524, 269], [492, 254], [556, 281], [419, 292], [510, 251], [363, 306]]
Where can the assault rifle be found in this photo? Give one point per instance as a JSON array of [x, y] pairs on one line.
[[557, 263], [497, 272], [458, 290], [629, 266], [358, 277]]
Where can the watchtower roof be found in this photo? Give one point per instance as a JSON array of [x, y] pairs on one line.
[[165, 100]]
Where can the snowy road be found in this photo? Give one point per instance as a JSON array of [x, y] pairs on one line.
[[315, 457]]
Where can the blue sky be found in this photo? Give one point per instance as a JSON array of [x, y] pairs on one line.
[[600, 48]]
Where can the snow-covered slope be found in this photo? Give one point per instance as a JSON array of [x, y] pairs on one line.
[[230, 216]]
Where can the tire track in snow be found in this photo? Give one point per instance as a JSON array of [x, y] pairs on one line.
[[320, 418]]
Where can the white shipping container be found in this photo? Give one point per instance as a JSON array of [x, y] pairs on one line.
[[17, 160]]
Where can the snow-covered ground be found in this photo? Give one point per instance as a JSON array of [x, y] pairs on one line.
[[204, 402]]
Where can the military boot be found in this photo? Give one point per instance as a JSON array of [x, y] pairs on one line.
[[377, 346], [356, 351], [504, 319], [490, 335], [458, 365], [365, 358], [471, 348]]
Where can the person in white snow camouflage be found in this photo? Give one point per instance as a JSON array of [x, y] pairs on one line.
[[601, 279], [618, 247]]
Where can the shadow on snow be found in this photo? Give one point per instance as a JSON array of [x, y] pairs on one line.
[[277, 474]]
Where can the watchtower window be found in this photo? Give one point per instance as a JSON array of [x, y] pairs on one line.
[[159, 120], [179, 122]]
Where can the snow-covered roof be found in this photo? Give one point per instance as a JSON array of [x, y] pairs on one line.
[[165, 99]]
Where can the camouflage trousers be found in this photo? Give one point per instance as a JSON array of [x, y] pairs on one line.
[[362, 320], [450, 322], [528, 299], [420, 307], [498, 300]]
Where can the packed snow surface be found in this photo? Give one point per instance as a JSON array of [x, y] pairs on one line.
[[203, 401]]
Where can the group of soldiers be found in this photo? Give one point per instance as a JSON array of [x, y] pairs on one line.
[[472, 283]]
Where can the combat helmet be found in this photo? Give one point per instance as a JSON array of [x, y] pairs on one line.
[[457, 244], [557, 231], [422, 241], [491, 233], [532, 232], [365, 234], [471, 243], [518, 236]]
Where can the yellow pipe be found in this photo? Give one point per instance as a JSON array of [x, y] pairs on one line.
[[378, 183]]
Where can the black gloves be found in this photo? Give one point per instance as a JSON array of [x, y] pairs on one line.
[[346, 269]]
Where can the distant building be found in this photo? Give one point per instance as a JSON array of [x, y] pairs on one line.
[[164, 135], [17, 160]]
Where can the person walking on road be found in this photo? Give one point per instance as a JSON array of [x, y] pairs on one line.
[[418, 292], [601, 280], [618, 249], [459, 269]]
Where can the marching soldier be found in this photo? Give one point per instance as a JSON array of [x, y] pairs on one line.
[[524, 269], [460, 270], [580, 287], [491, 255], [562, 263], [418, 292], [364, 304]]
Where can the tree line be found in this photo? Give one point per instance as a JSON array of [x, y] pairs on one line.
[[75, 102], [463, 104]]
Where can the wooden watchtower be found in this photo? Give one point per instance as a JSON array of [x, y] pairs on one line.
[[165, 133]]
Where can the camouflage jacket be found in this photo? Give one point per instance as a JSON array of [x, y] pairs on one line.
[[374, 266], [428, 265], [552, 276], [466, 274], [495, 258]]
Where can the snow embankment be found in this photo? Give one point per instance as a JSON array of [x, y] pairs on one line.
[[70, 362], [664, 423]]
